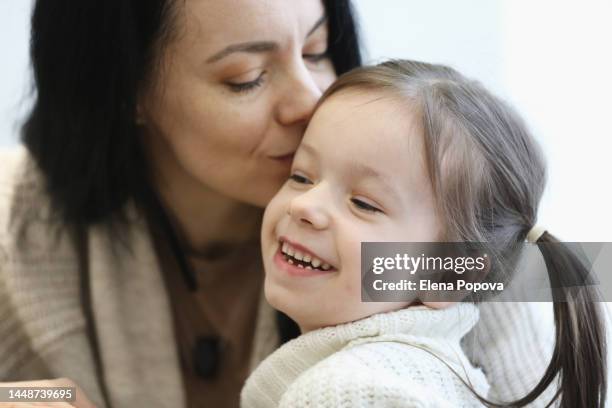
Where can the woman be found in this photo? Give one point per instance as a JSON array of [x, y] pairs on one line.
[[129, 255]]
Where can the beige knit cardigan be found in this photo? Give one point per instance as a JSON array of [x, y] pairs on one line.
[[83, 306]]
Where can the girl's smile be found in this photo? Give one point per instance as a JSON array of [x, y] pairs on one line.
[[358, 176], [297, 260]]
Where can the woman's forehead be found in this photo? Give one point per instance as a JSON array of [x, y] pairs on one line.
[[214, 23]]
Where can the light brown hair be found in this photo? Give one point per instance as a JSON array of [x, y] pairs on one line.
[[488, 175]]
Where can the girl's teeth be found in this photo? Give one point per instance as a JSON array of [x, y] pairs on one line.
[[300, 266], [315, 262]]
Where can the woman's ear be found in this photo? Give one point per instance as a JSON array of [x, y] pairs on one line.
[[140, 117]]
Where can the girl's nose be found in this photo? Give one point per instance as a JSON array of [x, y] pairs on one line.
[[300, 96], [308, 209]]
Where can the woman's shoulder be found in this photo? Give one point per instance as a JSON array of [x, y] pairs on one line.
[[32, 236], [33, 259], [22, 188], [28, 227], [32, 230], [18, 169]]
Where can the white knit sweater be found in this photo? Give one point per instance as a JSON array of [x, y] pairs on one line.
[[396, 359]]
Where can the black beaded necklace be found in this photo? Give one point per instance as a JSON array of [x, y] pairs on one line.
[[175, 244]]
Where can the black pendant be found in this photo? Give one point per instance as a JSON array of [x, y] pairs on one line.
[[206, 356]]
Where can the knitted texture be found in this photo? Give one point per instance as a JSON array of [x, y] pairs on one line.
[[406, 358], [45, 332], [514, 342], [81, 305]]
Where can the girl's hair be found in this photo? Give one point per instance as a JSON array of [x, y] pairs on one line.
[[90, 61], [488, 175]]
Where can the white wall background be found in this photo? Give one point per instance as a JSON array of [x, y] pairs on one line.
[[14, 67], [550, 58]]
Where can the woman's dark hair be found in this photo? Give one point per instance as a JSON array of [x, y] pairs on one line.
[[90, 61], [488, 176]]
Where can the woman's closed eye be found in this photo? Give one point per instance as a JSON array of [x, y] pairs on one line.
[[314, 58], [246, 86]]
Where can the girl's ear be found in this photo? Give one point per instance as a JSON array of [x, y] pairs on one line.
[[439, 305]]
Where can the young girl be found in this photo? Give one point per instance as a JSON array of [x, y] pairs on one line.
[[407, 152]]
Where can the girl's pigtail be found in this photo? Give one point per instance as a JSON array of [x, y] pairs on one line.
[[579, 355]]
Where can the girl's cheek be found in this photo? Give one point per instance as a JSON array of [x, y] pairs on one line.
[[280, 200], [276, 214], [350, 289]]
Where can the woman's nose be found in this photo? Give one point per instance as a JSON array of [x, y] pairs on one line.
[[308, 209], [300, 95]]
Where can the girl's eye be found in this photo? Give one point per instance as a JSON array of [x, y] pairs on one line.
[[239, 87], [299, 179], [362, 205], [316, 57]]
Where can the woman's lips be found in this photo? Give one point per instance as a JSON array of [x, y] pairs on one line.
[[294, 270]]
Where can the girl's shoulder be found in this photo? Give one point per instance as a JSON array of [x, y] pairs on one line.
[[345, 380], [386, 372]]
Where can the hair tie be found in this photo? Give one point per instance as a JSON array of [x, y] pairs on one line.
[[535, 233]]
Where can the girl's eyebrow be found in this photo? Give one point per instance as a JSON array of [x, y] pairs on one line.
[[258, 46], [362, 171], [359, 171]]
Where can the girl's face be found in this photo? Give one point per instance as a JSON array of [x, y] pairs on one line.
[[359, 175], [237, 84]]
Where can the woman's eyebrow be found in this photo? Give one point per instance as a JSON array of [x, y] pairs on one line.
[[252, 47], [318, 24], [258, 46]]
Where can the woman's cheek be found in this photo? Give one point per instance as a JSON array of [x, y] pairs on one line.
[[325, 77]]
